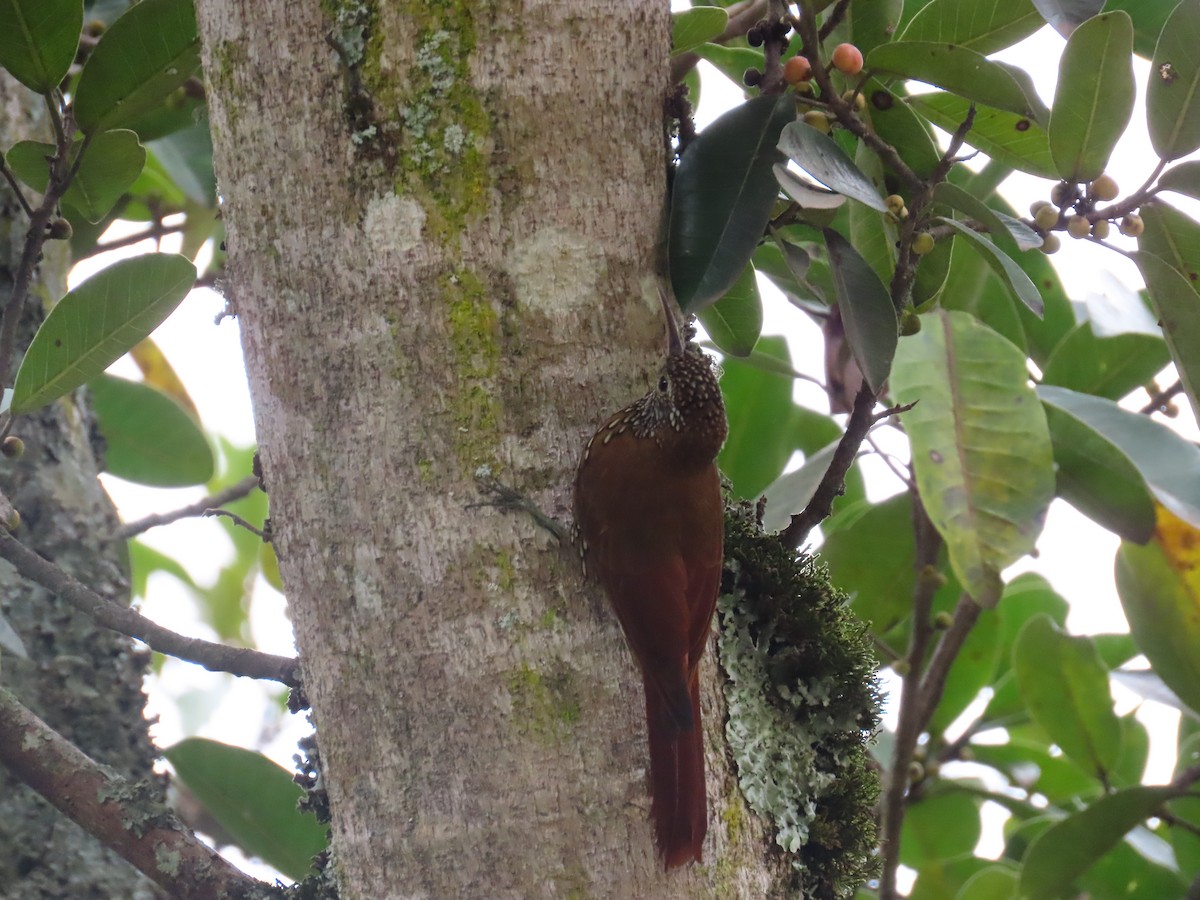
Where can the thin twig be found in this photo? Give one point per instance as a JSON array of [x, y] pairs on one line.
[[1158, 402], [199, 508], [154, 233], [214, 657], [16, 186], [238, 520], [123, 815]]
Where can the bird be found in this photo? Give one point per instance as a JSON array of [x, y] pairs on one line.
[[649, 526]]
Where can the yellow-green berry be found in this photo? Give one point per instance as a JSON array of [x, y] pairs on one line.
[[894, 203], [1100, 229], [1105, 188], [1046, 217], [818, 120], [1059, 194], [922, 243], [1132, 225], [1050, 243], [910, 322], [1078, 227], [12, 447]]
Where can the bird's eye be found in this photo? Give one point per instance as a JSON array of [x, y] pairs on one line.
[[663, 384]]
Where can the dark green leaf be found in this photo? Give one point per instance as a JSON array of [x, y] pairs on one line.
[[1068, 848], [956, 69], [142, 58], [1098, 479], [761, 413], [693, 27], [1135, 750], [722, 198], [873, 235], [1065, 686], [1148, 21], [150, 438], [1016, 140], [980, 446], [254, 800], [894, 121], [867, 312], [735, 321], [941, 826], [824, 160], [144, 561], [97, 322], [1173, 94], [986, 28], [1002, 264], [1109, 367], [996, 882], [38, 40], [1094, 99], [112, 163], [872, 24], [1176, 299], [1165, 460], [1185, 841]]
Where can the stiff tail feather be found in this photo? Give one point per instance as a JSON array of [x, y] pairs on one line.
[[678, 805]]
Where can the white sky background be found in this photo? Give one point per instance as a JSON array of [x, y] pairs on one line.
[[1074, 554]]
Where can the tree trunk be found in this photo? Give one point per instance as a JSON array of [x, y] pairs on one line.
[[81, 679], [442, 239]]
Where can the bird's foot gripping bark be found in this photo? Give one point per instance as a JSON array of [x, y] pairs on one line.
[[498, 494]]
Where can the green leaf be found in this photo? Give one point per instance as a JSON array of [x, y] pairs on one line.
[[824, 160], [1015, 140], [146, 54], [1173, 94], [1011, 274], [1094, 99], [1098, 479], [1135, 751], [1165, 460], [1109, 367], [894, 120], [1004, 227], [150, 438], [789, 493], [984, 27], [722, 197], [871, 24], [1064, 16], [1160, 602], [693, 27], [1176, 299], [254, 800], [1065, 686], [1031, 766], [761, 412], [1183, 178], [97, 322], [735, 321], [873, 235], [732, 62], [1186, 842], [144, 561], [941, 826], [971, 671], [113, 161], [980, 446], [1068, 848], [38, 40], [958, 70], [996, 882], [867, 312]]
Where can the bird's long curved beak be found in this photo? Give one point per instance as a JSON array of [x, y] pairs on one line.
[[674, 341]]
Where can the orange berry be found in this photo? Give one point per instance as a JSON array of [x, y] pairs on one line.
[[847, 59], [797, 69]]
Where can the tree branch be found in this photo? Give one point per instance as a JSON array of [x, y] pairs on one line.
[[214, 657], [119, 813], [199, 508]]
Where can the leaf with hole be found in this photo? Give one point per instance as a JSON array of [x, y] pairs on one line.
[[97, 322]]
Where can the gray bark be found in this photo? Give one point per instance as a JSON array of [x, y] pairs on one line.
[[441, 251]]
